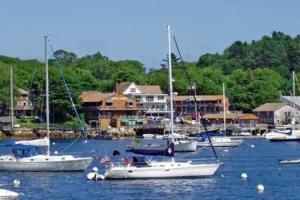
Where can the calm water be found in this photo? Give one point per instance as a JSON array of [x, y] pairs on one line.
[[260, 163]]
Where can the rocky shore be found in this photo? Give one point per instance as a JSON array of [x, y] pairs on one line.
[[29, 133]]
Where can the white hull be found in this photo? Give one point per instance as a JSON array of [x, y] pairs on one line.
[[43, 163], [8, 195], [287, 135], [290, 161], [185, 146], [162, 170], [220, 142]]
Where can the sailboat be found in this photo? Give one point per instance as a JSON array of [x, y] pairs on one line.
[[26, 154], [220, 141], [142, 168], [287, 135]]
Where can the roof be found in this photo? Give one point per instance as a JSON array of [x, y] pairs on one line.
[[94, 96], [145, 89], [233, 116], [269, 107], [149, 89], [122, 86], [220, 116], [248, 116], [23, 92], [199, 97]]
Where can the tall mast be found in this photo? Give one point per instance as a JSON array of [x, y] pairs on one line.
[[224, 108], [196, 112], [170, 83], [11, 102], [47, 95], [294, 104]]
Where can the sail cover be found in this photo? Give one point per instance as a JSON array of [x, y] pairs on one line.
[[37, 142]]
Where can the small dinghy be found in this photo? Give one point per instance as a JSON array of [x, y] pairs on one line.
[[297, 161]]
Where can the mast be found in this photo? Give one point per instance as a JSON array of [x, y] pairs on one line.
[[294, 104], [224, 108], [11, 102], [47, 95], [170, 83], [195, 104]]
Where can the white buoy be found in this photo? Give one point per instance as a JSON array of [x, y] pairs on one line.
[[95, 169], [55, 152], [53, 143], [16, 182], [85, 141], [260, 188], [93, 176], [252, 145], [222, 176], [244, 176], [226, 150]]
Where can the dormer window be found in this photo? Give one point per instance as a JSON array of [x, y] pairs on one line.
[[133, 90]]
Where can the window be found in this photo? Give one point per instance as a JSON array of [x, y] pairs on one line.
[[161, 98], [133, 90], [149, 98], [138, 98]]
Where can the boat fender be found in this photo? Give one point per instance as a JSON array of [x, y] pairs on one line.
[[260, 188], [16, 182], [244, 176]]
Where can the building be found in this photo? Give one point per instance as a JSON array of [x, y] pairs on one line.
[[5, 123], [185, 105], [232, 118], [24, 106], [275, 113], [109, 109], [150, 97]]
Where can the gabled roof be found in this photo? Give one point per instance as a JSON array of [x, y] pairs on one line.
[[145, 89], [149, 89], [94, 96], [267, 107], [123, 86]]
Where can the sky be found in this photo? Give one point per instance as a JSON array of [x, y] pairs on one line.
[[136, 29]]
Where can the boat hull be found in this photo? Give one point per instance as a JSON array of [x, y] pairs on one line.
[[44, 164], [185, 146], [176, 171]]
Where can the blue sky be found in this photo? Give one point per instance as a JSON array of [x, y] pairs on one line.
[[136, 29]]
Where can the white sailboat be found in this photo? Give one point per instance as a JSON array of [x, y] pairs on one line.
[[24, 156], [221, 141], [286, 135], [164, 169]]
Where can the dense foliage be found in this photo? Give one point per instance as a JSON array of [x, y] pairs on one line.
[[254, 73]]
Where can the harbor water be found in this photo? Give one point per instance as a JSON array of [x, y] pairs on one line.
[[257, 158]]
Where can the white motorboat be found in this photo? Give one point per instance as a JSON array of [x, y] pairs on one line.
[[25, 156], [140, 169], [8, 195], [297, 161], [220, 142]]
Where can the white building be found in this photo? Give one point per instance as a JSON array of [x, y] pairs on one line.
[[150, 97]]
